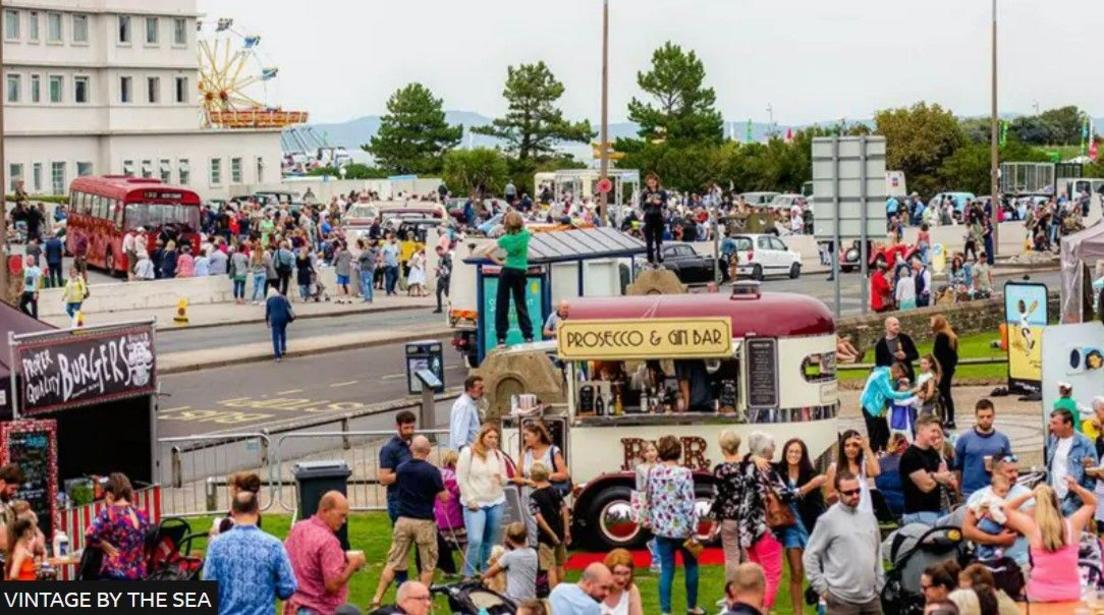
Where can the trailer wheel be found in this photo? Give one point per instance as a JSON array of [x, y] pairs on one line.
[[614, 525]]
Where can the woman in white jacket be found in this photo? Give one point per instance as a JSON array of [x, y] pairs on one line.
[[481, 474]]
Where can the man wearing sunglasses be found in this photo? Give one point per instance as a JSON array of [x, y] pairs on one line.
[[1014, 545], [843, 558]]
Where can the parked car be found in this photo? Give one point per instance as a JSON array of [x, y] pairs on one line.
[[786, 201], [960, 200], [688, 265], [759, 199], [758, 256]]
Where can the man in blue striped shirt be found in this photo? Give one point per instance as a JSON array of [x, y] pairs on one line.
[[251, 567]]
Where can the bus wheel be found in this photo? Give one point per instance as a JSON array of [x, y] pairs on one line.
[[615, 523]]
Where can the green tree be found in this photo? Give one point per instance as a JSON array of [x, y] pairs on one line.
[[683, 109], [918, 139], [413, 137], [476, 171], [968, 168], [533, 124], [1064, 124]]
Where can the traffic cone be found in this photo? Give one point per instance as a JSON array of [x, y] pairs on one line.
[[181, 317]]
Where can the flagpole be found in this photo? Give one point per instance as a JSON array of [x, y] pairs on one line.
[[994, 149], [604, 153]]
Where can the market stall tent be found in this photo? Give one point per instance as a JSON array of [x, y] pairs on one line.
[[15, 321], [1079, 251]]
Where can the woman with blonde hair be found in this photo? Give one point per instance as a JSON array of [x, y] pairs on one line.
[[481, 472], [511, 278], [945, 351], [1053, 542], [624, 596]]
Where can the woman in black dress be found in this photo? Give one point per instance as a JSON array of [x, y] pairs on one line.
[[945, 351]]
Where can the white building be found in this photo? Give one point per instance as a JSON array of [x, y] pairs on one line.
[[93, 87]]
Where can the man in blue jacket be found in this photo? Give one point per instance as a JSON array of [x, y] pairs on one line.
[[278, 314], [1068, 453], [54, 251]]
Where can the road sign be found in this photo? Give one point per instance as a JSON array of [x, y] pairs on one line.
[[605, 185], [849, 186]]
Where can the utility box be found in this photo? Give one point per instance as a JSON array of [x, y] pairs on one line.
[[424, 354], [313, 479]]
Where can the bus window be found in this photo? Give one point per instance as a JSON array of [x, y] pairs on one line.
[[99, 206], [109, 209], [118, 217]]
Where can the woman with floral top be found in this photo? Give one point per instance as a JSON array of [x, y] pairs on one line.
[[670, 495], [120, 531], [741, 498]]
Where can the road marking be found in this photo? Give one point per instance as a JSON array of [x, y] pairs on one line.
[[289, 391], [343, 384], [392, 376], [173, 409]]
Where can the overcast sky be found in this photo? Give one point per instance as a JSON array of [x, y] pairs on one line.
[[810, 60]]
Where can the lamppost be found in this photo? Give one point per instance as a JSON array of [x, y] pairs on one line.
[[603, 154], [994, 149]]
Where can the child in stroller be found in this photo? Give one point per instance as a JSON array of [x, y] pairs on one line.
[[911, 551], [318, 289]]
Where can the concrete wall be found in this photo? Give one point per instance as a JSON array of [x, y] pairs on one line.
[[120, 296], [984, 316]]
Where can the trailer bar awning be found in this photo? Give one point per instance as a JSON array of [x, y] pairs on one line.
[[576, 245]]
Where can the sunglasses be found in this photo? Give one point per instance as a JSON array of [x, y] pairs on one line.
[[1010, 459], [850, 492]]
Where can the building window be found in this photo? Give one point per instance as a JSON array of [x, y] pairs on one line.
[[84, 168], [166, 170], [152, 25], [80, 28], [32, 26], [15, 83], [53, 28], [147, 168], [124, 29], [11, 25], [80, 89], [181, 89], [128, 168], [36, 178], [36, 88], [57, 177], [15, 175], [235, 170], [56, 88], [124, 89], [260, 170], [180, 32], [184, 171], [153, 89], [216, 171]]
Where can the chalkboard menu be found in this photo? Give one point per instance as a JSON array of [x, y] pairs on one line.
[[32, 445], [762, 362]]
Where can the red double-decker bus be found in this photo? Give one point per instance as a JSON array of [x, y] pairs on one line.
[[103, 209]]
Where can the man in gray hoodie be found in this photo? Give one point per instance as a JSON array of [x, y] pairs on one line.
[[843, 560]]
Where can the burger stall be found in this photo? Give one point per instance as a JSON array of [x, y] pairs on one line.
[[84, 405]]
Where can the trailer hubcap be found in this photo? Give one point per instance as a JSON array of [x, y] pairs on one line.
[[617, 522]]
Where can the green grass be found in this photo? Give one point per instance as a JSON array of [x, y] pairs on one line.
[[371, 532], [973, 346]]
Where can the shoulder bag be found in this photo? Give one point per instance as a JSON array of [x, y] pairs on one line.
[[778, 513]]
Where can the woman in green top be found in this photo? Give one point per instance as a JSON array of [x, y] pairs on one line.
[[511, 280], [1065, 401]]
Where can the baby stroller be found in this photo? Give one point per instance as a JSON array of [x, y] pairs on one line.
[[470, 598], [909, 551], [318, 289], [167, 552]]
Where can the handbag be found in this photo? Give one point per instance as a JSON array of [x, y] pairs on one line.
[[693, 546], [290, 310], [778, 513]]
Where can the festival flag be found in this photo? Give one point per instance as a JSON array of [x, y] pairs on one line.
[[789, 135], [1093, 150], [1003, 132]]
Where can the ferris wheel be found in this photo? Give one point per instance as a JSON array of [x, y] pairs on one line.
[[236, 83]]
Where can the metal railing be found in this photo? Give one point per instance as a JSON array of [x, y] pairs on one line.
[[360, 452], [193, 470]]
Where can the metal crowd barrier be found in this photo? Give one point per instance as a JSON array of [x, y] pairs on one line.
[[192, 471]]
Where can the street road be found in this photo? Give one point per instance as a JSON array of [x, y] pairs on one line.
[[178, 340], [254, 395]]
